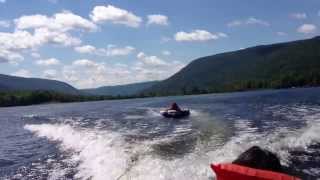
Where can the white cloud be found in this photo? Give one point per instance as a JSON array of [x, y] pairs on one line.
[[86, 73], [151, 60], [62, 22], [35, 55], [2, 1], [153, 68], [115, 51], [89, 74], [235, 23], [198, 35], [280, 33], [158, 19], [5, 24], [86, 49], [22, 73], [34, 31], [48, 62], [85, 63], [50, 74], [253, 20], [307, 28], [20, 40], [249, 21], [111, 50], [115, 15], [221, 35], [71, 76], [166, 53], [33, 21], [7, 56], [53, 29], [298, 16], [55, 37]]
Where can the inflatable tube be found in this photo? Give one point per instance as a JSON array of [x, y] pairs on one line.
[[237, 172], [175, 114]]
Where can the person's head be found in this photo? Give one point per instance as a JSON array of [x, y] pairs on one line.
[[258, 158]]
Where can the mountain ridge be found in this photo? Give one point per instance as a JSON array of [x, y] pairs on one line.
[[258, 67], [280, 65], [15, 83]]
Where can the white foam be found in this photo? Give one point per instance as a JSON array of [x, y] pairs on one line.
[[30, 115], [153, 112], [57, 173], [101, 155], [280, 140], [134, 117], [190, 167], [295, 141], [304, 137], [195, 112], [106, 155]]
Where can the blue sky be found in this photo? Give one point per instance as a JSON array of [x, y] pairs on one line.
[[96, 43]]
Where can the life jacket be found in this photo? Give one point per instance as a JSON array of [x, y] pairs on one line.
[[236, 172]]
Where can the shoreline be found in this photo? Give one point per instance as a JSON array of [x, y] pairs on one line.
[[117, 98]]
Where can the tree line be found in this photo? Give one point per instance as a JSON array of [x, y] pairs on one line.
[[23, 98]]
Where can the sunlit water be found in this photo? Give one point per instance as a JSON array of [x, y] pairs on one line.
[[128, 139]]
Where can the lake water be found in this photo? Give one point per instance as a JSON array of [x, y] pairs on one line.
[[128, 139]]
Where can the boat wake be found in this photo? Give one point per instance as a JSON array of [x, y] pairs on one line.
[[102, 154]]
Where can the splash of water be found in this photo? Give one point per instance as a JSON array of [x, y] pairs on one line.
[[103, 154]]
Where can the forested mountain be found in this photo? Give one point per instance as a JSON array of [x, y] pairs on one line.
[[283, 65], [13, 83]]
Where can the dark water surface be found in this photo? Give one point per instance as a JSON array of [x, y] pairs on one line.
[[128, 139]]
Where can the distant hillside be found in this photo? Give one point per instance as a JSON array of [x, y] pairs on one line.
[[122, 90], [280, 65], [13, 83]]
